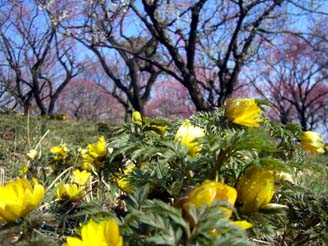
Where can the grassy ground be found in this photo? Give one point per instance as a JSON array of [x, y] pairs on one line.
[[19, 134]]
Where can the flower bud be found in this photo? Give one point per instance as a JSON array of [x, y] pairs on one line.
[[136, 118], [86, 165], [313, 142], [32, 154], [123, 182], [187, 135], [255, 188], [207, 193]]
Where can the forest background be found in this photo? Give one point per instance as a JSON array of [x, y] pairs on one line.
[[101, 60]]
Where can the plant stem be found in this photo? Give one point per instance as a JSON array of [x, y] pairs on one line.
[[219, 163]]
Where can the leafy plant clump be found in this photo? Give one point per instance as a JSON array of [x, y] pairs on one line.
[[210, 180]]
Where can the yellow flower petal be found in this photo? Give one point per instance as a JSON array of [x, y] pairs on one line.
[[38, 194], [73, 241], [81, 178], [243, 224], [243, 111], [111, 228]]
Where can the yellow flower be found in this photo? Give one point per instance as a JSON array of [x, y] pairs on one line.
[[136, 118], [243, 111], [18, 198], [69, 192], [32, 154], [99, 150], [255, 188], [60, 152], [105, 233], [86, 165], [123, 183], [95, 153], [313, 142], [187, 135], [207, 193], [81, 178]]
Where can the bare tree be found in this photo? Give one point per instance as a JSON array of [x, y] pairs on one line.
[[294, 79], [7, 98], [101, 28], [225, 35], [39, 62], [203, 44]]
